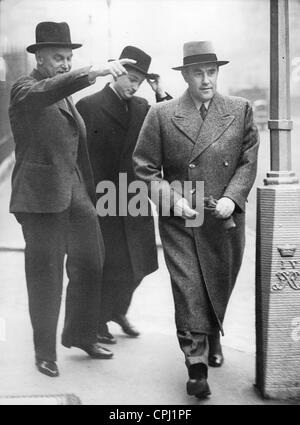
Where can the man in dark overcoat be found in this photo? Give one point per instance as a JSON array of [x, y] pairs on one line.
[[53, 196], [200, 137], [113, 119]]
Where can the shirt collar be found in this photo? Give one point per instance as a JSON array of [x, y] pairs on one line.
[[115, 91], [198, 103]]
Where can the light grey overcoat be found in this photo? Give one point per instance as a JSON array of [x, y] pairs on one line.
[[175, 144]]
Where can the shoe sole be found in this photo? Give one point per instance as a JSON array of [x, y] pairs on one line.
[[194, 388], [95, 356], [48, 372], [106, 341], [126, 331], [130, 335], [213, 364], [202, 396], [100, 357]]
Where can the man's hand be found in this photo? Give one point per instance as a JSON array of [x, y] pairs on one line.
[[224, 208], [114, 68], [182, 209], [154, 81]]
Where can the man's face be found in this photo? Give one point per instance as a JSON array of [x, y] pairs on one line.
[[54, 60], [202, 80], [128, 84]]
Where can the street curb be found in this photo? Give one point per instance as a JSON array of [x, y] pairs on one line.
[[6, 166], [57, 399]]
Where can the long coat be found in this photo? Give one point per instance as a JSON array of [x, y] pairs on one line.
[[49, 142], [221, 151], [112, 134]]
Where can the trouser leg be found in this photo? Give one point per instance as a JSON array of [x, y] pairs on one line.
[[108, 297], [195, 348], [124, 296], [44, 236], [214, 342], [85, 257]]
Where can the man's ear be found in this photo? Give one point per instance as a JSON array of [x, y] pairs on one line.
[[39, 58]]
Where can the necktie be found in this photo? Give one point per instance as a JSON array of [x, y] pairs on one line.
[[203, 111], [125, 105]]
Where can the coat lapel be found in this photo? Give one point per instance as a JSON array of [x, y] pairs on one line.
[[60, 103], [216, 122], [69, 110], [114, 107], [187, 118], [64, 107], [137, 113], [72, 111]]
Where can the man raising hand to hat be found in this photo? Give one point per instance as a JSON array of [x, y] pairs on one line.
[[53, 196], [113, 118]]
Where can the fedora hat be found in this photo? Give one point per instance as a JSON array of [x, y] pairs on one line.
[[49, 34], [142, 59], [197, 52]]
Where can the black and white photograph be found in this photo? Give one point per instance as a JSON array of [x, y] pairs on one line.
[[150, 205]]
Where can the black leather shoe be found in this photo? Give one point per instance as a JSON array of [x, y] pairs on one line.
[[198, 387], [215, 355], [105, 336], [47, 368], [216, 360], [95, 351], [126, 326]]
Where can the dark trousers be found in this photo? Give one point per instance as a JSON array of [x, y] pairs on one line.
[[49, 237], [116, 298], [195, 348]]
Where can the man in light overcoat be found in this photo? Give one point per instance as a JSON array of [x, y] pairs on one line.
[[201, 136]]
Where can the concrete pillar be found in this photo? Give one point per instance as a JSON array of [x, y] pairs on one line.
[[278, 235]]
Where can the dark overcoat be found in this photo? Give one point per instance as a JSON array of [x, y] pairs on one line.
[[112, 134], [221, 151], [49, 142]]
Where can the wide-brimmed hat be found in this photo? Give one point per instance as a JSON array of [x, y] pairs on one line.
[[197, 52], [49, 34], [142, 59]]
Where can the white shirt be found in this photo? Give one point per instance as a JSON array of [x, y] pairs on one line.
[[198, 103], [123, 100], [114, 90]]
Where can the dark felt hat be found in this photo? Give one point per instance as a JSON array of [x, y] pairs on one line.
[[142, 59], [49, 34], [197, 52]]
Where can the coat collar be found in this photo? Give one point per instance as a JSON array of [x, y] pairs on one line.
[[37, 75], [137, 113], [217, 120], [113, 106], [186, 117], [202, 133], [131, 121]]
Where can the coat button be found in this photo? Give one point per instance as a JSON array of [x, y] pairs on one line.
[[192, 165], [226, 163]]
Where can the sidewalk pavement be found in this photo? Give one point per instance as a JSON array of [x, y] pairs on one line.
[[146, 370]]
